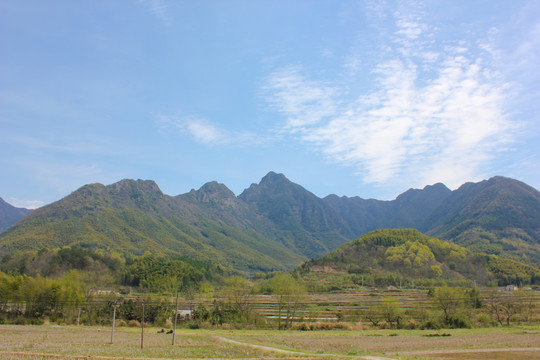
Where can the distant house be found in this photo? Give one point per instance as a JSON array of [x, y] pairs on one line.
[[511, 288], [392, 288], [184, 315], [98, 292]]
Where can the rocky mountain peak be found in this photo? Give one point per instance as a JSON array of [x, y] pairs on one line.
[[214, 192], [273, 177]]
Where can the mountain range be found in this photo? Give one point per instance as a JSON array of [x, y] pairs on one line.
[[276, 224]]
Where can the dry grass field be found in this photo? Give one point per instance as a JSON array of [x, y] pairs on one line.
[[71, 342], [462, 344]]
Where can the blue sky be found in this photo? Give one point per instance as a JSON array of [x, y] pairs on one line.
[[356, 98]]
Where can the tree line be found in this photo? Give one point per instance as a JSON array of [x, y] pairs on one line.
[[236, 302]]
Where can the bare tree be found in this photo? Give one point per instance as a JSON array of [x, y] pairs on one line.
[[504, 307]]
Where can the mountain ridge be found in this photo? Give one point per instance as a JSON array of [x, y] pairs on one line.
[[278, 217], [491, 204]]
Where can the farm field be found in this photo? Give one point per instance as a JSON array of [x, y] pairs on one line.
[[19, 342]]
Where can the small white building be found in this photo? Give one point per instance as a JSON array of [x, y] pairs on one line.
[[184, 314], [96, 291]]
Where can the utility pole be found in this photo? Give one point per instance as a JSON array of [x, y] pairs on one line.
[[175, 318], [113, 322], [79, 317], [142, 327]]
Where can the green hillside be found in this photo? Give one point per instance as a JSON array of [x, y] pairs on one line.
[[498, 216], [391, 256], [133, 217], [209, 224], [277, 224]]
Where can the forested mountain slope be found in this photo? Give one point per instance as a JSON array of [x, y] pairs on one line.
[[277, 224], [498, 216], [409, 254], [135, 217]]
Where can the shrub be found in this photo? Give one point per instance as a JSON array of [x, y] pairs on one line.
[[322, 326], [484, 320], [194, 325], [303, 327], [411, 325], [430, 324], [385, 325], [134, 323], [459, 321]]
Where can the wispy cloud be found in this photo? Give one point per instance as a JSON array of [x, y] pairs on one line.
[[159, 9], [62, 177], [304, 102], [431, 114], [205, 132], [36, 144]]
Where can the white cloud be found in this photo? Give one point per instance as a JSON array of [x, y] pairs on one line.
[[28, 204], [304, 102], [430, 115], [205, 132]]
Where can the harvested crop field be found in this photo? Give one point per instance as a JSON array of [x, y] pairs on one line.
[[394, 340], [46, 342]]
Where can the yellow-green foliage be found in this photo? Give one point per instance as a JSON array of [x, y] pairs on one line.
[[407, 253], [436, 271], [512, 272], [411, 254], [42, 296]]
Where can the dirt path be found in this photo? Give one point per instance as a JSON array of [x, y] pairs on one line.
[[369, 357], [283, 351], [459, 351]]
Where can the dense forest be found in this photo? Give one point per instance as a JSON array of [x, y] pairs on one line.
[[406, 256]]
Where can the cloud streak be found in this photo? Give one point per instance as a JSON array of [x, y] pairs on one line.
[[431, 114], [204, 131], [159, 9], [303, 101]]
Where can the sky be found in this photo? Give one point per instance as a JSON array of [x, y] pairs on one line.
[[354, 98]]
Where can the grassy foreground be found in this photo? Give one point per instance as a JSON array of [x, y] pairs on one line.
[[42, 342]]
